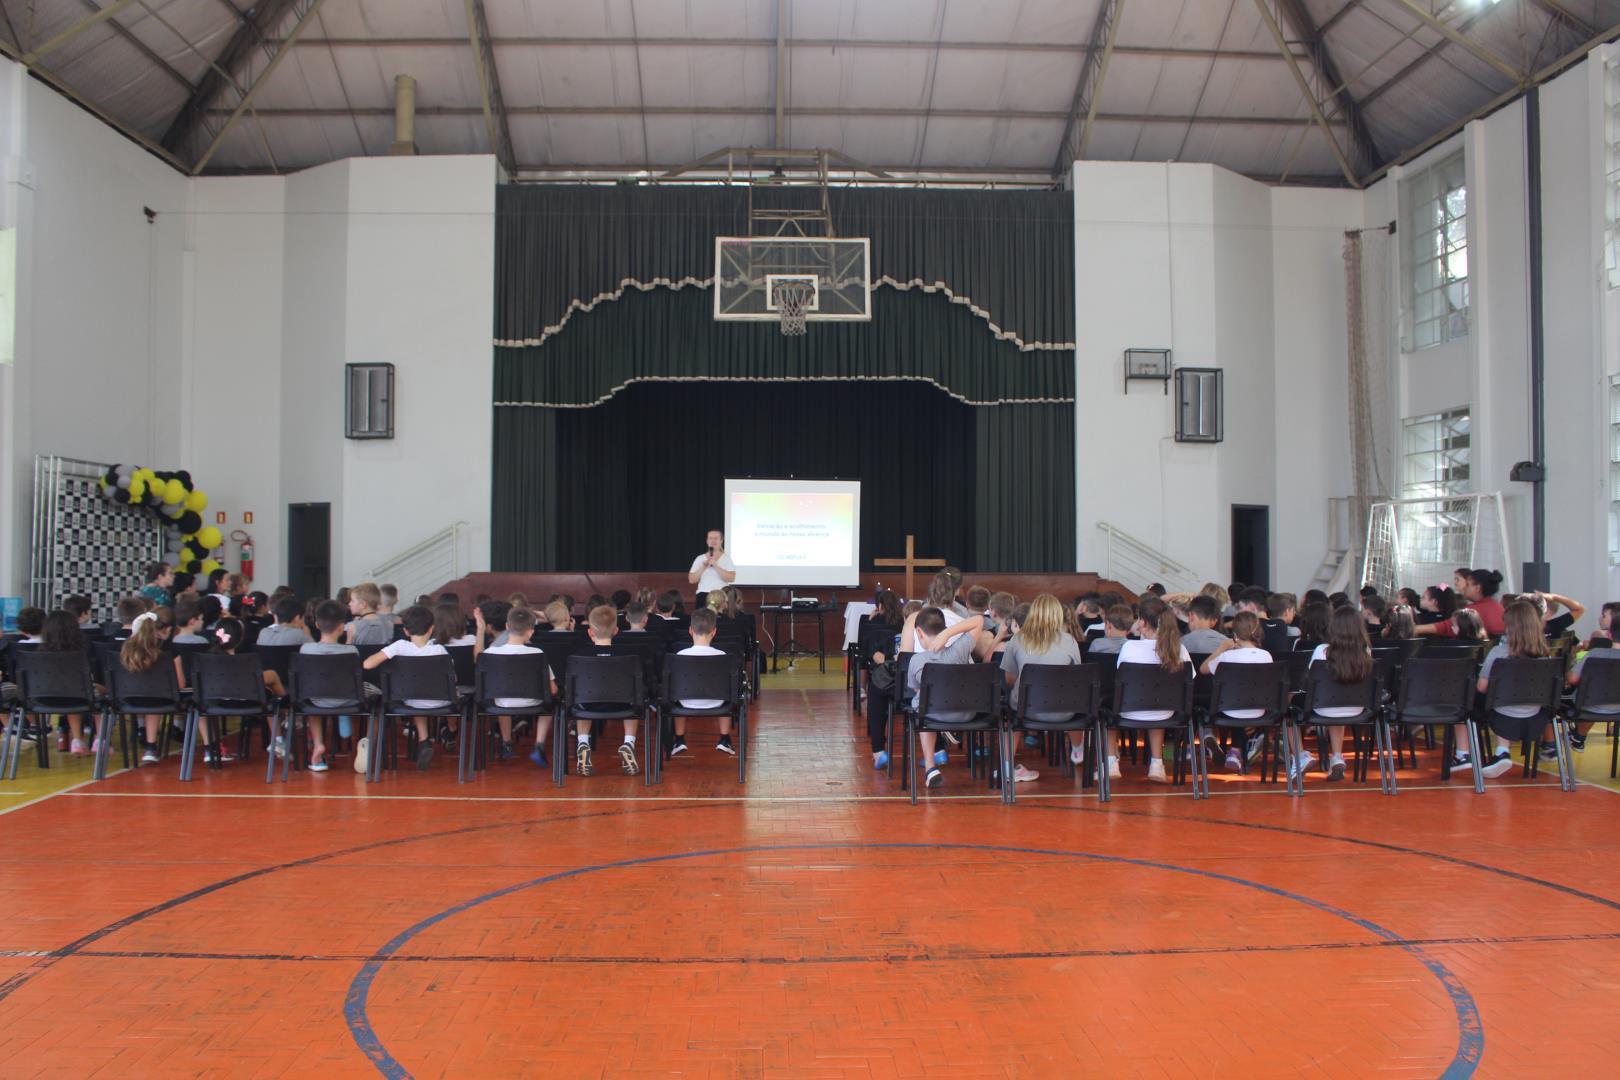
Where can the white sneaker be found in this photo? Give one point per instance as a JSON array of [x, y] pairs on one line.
[[149, 755], [1302, 763], [1022, 775], [1113, 768], [1156, 773], [278, 746], [362, 754], [1502, 763], [1077, 754]]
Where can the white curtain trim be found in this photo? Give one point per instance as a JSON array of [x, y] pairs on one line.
[[777, 379], [704, 283]]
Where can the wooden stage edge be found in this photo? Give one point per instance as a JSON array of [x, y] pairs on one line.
[[537, 588]]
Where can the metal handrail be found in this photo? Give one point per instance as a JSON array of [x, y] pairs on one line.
[[438, 557], [1128, 555]]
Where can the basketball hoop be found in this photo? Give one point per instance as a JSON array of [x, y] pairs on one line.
[[792, 299]]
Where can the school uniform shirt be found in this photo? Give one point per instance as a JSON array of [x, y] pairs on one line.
[[283, 635], [184, 639], [411, 648], [1106, 646], [1144, 651], [371, 630], [1016, 655], [1203, 641], [958, 650], [1244, 654], [702, 650], [711, 581], [1499, 651], [465, 640], [1276, 635], [1554, 627], [1490, 613], [1320, 653], [512, 649]]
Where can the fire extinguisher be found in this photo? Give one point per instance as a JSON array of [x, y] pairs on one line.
[[247, 552]]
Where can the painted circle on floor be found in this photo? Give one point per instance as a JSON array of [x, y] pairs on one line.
[[938, 905]]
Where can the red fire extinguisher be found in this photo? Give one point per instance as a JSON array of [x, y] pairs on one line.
[[247, 552]]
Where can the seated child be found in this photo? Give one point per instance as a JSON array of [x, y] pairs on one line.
[[1203, 616], [289, 625], [519, 629], [419, 624], [330, 623], [1245, 647], [937, 644], [702, 631], [1116, 631], [159, 582], [368, 627], [603, 623], [188, 623]]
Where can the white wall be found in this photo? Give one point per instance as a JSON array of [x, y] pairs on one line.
[[1231, 274], [214, 337]]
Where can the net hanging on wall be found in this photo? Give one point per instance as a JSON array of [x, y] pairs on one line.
[[1370, 329]]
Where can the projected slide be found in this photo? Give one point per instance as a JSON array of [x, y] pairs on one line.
[[794, 532]]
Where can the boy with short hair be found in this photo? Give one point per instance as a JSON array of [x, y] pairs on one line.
[[519, 629], [1203, 616], [702, 631], [188, 624], [1278, 626], [390, 600], [558, 616], [1373, 610], [79, 608], [159, 580], [602, 624], [1116, 631], [1089, 614], [937, 644], [418, 622], [288, 628], [368, 627], [331, 623]]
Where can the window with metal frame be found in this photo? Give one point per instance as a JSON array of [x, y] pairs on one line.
[[1436, 248]]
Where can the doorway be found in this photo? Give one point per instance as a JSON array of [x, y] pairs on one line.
[[1251, 545], [309, 548]]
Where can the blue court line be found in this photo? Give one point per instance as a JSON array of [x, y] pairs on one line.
[[1470, 1030]]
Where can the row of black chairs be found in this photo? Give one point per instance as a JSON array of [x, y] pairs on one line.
[[224, 687], [1093, 697]]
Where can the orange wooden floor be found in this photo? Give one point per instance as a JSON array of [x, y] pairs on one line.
[[814, 925]]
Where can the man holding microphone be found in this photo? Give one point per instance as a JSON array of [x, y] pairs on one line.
[[712, 570]]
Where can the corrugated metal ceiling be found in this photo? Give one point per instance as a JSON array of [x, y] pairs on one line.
[[974, 88]]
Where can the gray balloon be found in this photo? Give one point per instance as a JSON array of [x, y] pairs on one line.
[[123, 481]]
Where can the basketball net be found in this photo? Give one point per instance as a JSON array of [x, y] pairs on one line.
[[792, 301]]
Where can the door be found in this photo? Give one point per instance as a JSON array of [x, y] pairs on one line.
[[1251, 545], [309, 548]]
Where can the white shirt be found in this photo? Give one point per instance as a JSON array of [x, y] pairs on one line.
[[1331, 710], [711, 581], [460, 642], [511, 649], [1146, 651], [1241, 655], [407, 647], [702, 650]]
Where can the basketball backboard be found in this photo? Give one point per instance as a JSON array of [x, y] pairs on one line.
[[752, 272]]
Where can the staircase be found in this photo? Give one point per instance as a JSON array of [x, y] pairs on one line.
[[1137, 564], [427, 565], [1329, 570]]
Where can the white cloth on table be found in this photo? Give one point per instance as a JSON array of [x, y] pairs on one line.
[[852, 619]]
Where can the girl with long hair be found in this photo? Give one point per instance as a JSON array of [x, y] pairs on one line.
[[142, 651], [1348, 657], [1524, 638], [1043, 637], [1158, 642], [61, 633]]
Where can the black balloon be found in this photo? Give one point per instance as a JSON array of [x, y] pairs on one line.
[[190, 521]]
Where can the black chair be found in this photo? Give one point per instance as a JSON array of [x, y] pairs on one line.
[[407, 679], [1597, 701], [1246, 688], [1449, 649], [1070, 692], [131, 697], [1434, 692], [1325, 692], [223, 686], [512, 677], [702, 678], [1531, 681], [278, 658], [598, 688], [313, 677], [465, 662], [1150, 688], [48, 684], [899, 705], [974, 689]]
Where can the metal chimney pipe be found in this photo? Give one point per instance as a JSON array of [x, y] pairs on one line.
[[404, 144]]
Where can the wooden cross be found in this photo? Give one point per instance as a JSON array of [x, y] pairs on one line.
[[910, 562]]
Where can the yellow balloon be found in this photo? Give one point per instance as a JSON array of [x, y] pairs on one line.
[[209, 566], [209, 537], [144, 474], [137, 489], [173, 492], [197, 502]]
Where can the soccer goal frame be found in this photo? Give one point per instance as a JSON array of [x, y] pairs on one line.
[[1420, 542]]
